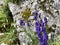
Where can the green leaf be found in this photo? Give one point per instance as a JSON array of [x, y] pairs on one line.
[[2, 15]]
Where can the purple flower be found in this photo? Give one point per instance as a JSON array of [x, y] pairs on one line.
[[37, 27], [35, 17], [45, 36], [41, 23], [35, 13], [37, 24], [22, 22], [28, 24], [39, 35], [39, 15], [41, 41], [38, 30], [45, 19], [45, 42], [43, 29]]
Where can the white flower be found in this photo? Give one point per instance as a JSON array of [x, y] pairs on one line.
[[31, 17], [49, 36], [55, 10], [18, 29], [23, 43], [27, 3], [42, 0], [47, 8], [1, 34], [18, 22], [14, 25], [3, 44]]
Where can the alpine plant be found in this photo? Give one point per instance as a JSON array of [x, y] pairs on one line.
[[39, 26], [41, 30]]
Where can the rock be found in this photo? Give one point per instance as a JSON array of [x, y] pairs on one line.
[[16, 11], [57, 4], [14, 8], [23, 38], [1, 2]]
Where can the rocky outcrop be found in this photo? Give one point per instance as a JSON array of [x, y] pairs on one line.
[[34, 4], [17, 16]]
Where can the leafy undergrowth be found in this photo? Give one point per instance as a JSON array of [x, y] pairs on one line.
[[56, 42], [8, 37]]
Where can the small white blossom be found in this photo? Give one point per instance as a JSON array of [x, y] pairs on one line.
[[18, 22], [42, 0], [3, 44], [49, 36], [1, 34], [31, 17], [18, 29]]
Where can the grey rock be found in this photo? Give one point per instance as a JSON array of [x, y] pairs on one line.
[[1, 2], [16, 11], [14, 8]]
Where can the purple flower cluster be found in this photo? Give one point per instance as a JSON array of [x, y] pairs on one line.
[[35, 15], [41, 30], [22, 23], [45, 19]]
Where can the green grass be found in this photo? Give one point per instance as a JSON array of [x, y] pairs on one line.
[[8, 37]]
